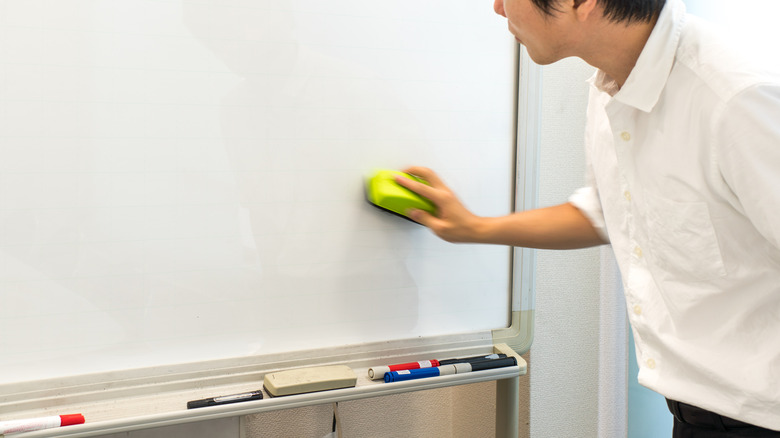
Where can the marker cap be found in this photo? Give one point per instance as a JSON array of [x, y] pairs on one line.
[[399, 376], [463, 367], [378, 373], [445, 370], [71, 419]]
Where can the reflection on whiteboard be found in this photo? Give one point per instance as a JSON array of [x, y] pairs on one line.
[[182, 181]]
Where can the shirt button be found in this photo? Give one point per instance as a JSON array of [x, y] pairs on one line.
[[638, 251], [651, 364], [625, 136], [627, 195], [637, 309]]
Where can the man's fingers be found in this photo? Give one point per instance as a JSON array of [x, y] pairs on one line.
[[417, 187], [421, 217], [426, 174]]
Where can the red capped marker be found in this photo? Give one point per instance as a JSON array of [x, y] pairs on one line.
[[29, 424]]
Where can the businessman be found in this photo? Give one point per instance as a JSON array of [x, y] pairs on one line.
[[683, 180]]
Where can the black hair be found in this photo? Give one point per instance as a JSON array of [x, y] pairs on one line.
[[615, 10]]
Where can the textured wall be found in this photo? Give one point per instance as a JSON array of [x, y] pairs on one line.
[[565, 347], [579, 367]]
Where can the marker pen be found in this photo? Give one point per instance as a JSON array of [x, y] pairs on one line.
[[29, 424], [489, 364], [225, 399], [456, 368], [471, 359], [400, 376], [378, 372]]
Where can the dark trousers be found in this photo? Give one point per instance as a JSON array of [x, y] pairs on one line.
[[693, 422]]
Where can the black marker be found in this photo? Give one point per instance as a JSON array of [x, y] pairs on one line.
[[471, 359], [225, 399], [489, 364]]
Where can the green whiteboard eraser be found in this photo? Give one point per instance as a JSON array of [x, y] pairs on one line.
[[304, 380], [382, 191]]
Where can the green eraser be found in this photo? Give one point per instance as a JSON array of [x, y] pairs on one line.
[[385, 193]]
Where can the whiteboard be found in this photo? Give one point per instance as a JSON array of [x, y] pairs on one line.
[[182, 181]]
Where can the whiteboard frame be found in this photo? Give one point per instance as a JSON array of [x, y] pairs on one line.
[[125, 394], [520, 333]]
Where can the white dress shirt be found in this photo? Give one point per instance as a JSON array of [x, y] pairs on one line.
[[684, 181]]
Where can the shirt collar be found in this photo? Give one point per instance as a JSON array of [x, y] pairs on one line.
[[648, 77]]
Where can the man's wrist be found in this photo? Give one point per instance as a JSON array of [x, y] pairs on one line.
[[481, 230]]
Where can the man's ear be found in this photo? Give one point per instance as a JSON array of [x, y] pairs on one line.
[[583, 8]]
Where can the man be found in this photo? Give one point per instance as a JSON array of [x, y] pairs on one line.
[[683, 180]]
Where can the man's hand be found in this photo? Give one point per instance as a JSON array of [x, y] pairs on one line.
[[453, 222], [558, 227]]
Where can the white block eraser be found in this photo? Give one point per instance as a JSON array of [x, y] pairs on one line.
[[302, 380]]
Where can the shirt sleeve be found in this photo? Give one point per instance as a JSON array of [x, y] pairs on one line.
[[587, 200], [749, 155]]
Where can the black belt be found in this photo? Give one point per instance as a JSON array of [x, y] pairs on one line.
[[686, 413]]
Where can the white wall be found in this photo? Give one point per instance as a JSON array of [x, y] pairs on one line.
[[752, 24]]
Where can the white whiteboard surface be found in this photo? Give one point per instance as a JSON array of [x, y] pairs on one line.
[[181, 181]]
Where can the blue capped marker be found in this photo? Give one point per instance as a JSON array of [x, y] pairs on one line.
[[400, 376]]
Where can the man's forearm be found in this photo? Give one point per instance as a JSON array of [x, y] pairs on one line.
[[560, 227]]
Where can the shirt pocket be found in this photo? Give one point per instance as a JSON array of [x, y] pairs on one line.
[[683, 240]]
